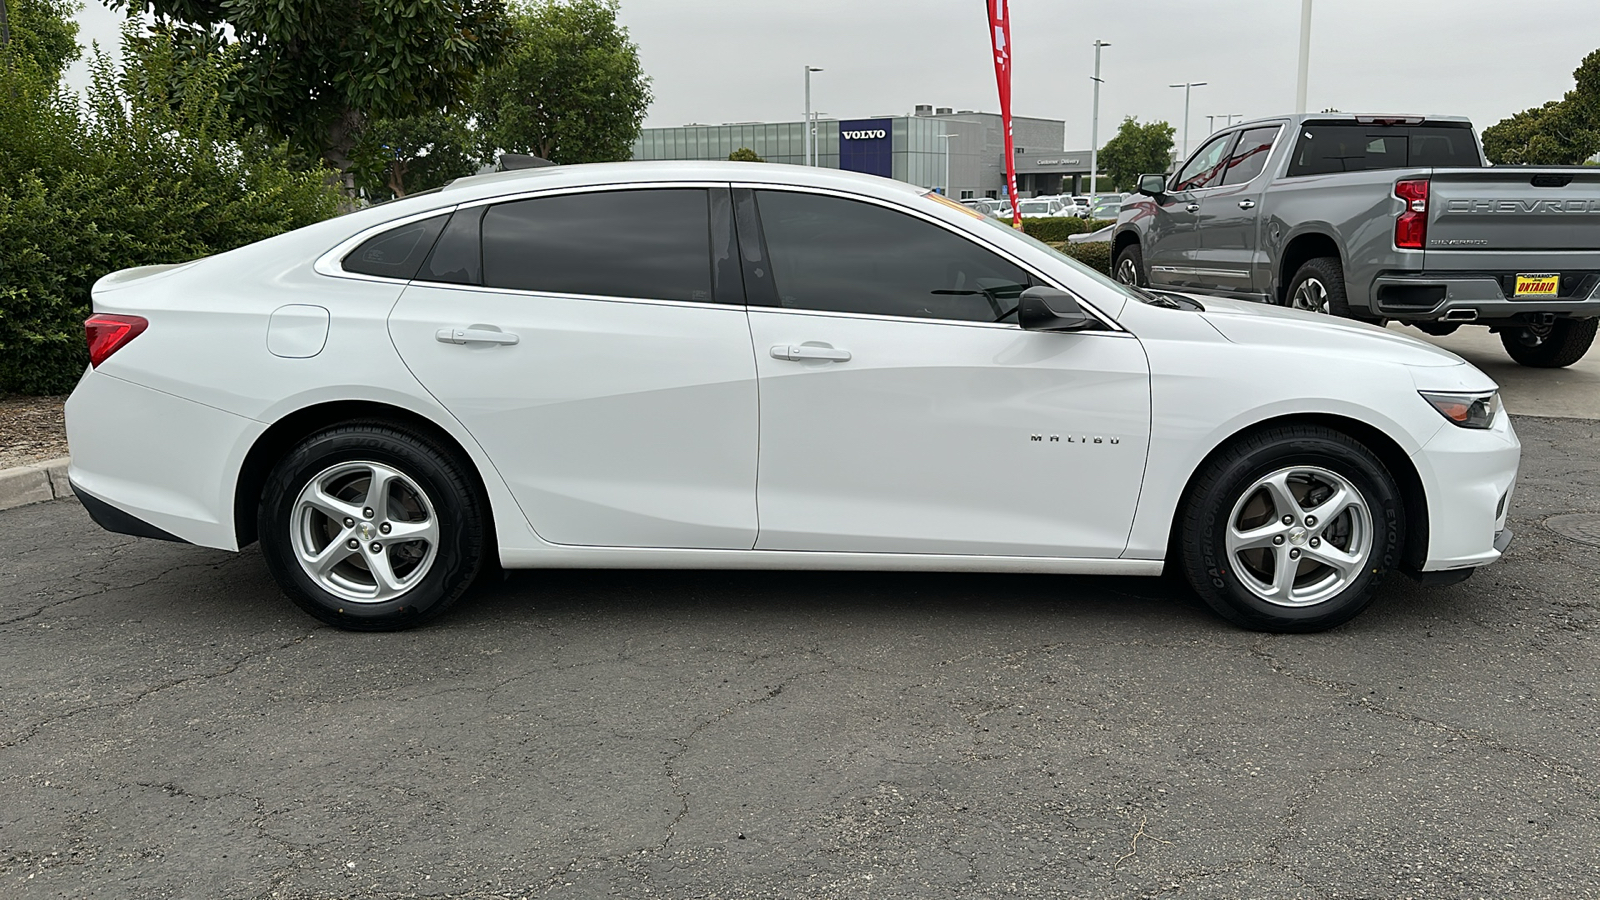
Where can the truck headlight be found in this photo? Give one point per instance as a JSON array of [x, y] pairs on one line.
[[1465, 410]]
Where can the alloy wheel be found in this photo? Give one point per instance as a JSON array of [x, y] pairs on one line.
[[1311, 296], [1299, 536], [364, 531], [1127, 272]]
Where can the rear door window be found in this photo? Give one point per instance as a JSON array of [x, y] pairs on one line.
[[646, 244], [1325, 147], [1249, 156]]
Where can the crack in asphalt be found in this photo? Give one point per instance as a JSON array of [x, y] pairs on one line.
[[229, 669]]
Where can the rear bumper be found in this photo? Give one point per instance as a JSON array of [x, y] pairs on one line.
[[1429, 298], [156, 463]]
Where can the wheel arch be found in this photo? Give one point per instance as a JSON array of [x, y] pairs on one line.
[[1300, 249], [1386, 448], [1121, 240], [291, 428]]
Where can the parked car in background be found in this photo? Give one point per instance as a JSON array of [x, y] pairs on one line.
[[1080, 204], [980, 205], [1106, 208], [718, 365], [1040, 208], [1377, 218]]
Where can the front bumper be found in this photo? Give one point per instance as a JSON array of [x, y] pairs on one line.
[[1469, 476]]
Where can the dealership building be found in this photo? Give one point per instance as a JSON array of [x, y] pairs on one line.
[[906, 148]]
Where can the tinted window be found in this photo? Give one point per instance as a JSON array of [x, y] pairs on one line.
[[398, 252], [847, 256], [1249, 156], [1352, 147], [650, 243], [1205, 167], [457, 257]]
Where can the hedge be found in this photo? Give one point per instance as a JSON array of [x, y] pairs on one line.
[[1059, 229], [1094, 254]]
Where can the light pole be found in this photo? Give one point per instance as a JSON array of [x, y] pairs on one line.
[[1305, 56], [1210, 128], [946, 138], [1187, 86], [809, 154], [1094, 124]]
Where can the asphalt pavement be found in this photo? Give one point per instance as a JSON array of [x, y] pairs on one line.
[[172, 727]]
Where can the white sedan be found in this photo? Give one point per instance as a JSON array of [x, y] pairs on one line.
[[674, 365]]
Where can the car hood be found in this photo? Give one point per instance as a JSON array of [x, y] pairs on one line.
[[1246, 322]]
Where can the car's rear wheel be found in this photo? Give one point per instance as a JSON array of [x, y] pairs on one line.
[[1291, 529], [1551, 346], [1130, 266], [1318, 286], [372, 527]]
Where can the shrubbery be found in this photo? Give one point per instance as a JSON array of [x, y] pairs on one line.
[[1095, 254], [1059, 229], [151, 169]]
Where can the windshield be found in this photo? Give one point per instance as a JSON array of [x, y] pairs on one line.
[[1142, 295]]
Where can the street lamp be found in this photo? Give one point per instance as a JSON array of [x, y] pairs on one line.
[[1094, 125], [1305, 57], [946, 138], [1187, 86], [1210, 128], [809, 154]]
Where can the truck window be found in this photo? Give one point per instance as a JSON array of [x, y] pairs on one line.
[[1205, 167], [1250, 155], [1325, 147]]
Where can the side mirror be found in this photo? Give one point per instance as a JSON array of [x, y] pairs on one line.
[[1047, 309], [1153, 185]]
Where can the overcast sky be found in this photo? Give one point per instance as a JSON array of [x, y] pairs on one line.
[[716, 61]]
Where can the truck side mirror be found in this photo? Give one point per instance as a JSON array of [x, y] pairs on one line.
[[1047, 309], [1153, 185]]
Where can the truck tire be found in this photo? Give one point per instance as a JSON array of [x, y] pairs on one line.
[[1318, 286], [1130, 266], [1561, 343]]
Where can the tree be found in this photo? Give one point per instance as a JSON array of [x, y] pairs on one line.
[[317, 74], [1136, 150], [397, 157], [1562, 132], [43, 31], [568, 88], [744, 154]]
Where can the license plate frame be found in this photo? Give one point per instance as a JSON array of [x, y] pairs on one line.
[[1540, 284]]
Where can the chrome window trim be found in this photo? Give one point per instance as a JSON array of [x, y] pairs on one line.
[[982, 241]]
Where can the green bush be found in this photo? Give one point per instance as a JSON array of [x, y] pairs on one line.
[[1094, 254], [144, 174], [1054, 229]]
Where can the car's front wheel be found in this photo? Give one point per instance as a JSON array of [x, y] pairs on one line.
[[1551, 346], [371, 527], [1291, 529]]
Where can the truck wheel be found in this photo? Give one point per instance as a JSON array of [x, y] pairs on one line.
[[1318, 286], [1130, 266], [1561, 343]]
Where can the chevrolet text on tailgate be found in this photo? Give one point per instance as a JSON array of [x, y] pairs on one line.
[[1380, 218]]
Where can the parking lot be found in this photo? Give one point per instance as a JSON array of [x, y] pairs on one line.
[[173, 727]]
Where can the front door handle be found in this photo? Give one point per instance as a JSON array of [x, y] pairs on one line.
[[1247, 204], [809, 351], [473, 336], [1193, 207]]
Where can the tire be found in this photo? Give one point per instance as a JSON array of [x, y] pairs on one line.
[[1263, 588], [1130, 266], [1318, 286], [429, 496], [1561, 343]]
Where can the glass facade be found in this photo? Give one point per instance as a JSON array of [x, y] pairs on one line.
[[917, 152]]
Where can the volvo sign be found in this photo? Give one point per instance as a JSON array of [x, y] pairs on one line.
[[867, 145]]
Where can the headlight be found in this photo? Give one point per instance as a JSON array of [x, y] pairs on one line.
[[1466, 410]]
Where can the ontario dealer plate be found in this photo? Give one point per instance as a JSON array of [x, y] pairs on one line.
[[1537, 285]]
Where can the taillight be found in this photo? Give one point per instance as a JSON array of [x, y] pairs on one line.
[[107, 334], [1411, 229]]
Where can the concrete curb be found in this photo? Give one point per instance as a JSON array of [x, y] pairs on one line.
[[34, 484]]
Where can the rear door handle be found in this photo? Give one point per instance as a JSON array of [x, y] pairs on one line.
[[1247, 204], [809, 351], [1193, 207], [474, 336]]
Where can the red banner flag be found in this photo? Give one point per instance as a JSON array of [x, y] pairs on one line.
[[1000, 34]]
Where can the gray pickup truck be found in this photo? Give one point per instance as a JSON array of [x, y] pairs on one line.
[[1382, 218]]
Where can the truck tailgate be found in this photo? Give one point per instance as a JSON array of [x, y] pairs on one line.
[[1514, 208]]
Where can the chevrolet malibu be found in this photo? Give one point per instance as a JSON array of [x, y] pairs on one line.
[[698, 365]]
